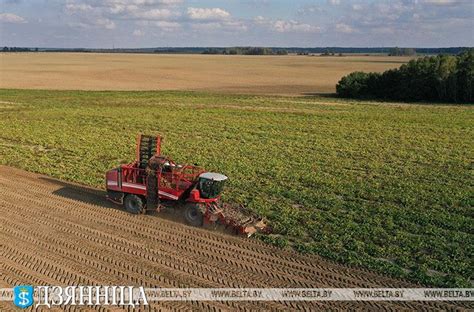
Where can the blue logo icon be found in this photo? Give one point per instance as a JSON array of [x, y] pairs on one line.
[[23, 296]]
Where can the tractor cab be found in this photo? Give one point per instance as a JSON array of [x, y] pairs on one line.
[[211, 184]]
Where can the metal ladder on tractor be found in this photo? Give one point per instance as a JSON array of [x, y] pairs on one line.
[[147, 147]]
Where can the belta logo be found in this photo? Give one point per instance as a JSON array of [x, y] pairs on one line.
[[23, 296]]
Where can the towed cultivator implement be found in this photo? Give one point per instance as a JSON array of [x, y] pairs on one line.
[[153, 181]]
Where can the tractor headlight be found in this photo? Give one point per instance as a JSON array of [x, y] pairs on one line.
[[211, 184]]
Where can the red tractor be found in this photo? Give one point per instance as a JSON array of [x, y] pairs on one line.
[[154, 181]]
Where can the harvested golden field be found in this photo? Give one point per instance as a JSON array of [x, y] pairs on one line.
[[282, 75]]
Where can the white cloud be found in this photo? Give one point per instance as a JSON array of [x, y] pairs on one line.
[[442, 2], [383, 31], [260, 20], [154, 14], [309, 9], [105, 23], [206, 26], [235, 26], [369, 22], [119, 8], [207, 14], [344, 28], [136, 12], [138, 33], [226, 26], [163, 25], [78, 25], [283, 26], [11, 18], [167, 26], [293, 26], [147, 9], [137, 2], [81, 7]]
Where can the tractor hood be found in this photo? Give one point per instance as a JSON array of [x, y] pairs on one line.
[[213, 176]]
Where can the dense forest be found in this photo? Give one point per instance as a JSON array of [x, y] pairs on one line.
[[441, 78]]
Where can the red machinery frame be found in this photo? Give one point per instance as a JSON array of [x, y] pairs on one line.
[[175, 183]]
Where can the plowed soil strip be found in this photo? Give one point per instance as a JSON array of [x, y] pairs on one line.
[[58, 233]]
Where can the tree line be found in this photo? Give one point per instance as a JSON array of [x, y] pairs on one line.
[[258, 51], [441, 78], [246, 51], [402, 52], [17, 49]]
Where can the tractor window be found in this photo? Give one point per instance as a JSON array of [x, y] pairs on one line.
[[210, 188]]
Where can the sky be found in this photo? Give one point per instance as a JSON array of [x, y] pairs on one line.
[[282, 23]]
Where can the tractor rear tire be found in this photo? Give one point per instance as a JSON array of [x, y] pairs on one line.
[[134, 204], [193, 215]]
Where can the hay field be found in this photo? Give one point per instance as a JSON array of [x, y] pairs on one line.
[[279, 75]]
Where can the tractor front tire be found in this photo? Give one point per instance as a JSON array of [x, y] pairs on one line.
[[193, 215], [134, 204]]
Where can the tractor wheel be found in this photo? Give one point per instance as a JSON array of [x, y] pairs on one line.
[[193, 215], [134, 204]]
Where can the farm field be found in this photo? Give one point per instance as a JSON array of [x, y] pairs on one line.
[[73, 236], [381, 186], [285, 75]]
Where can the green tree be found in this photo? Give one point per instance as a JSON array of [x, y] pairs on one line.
[[353, 85], [446, 68], [465, 76], [437, 78]]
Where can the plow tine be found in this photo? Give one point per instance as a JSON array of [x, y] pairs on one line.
[[242, 220]]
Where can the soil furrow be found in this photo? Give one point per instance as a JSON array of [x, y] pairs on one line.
[[255, 257], [140, 246], [59, 233]]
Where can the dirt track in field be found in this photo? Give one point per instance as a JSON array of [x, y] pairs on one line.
[[58, 233]]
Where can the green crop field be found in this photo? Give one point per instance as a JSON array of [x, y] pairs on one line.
[[383, 186]]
